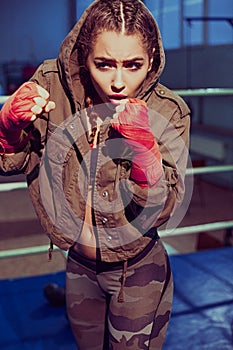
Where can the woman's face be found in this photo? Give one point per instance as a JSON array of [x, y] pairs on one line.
[[118, 64]]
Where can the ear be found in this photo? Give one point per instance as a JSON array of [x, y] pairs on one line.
[[151, 60]]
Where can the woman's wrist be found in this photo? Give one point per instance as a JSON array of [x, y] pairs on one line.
[[7, 147]]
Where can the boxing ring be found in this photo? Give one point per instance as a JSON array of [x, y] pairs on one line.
[[202, 314]]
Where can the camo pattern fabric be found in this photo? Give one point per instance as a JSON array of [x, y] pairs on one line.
[[97, 318]]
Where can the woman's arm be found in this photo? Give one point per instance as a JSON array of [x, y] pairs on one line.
[[157, 203], [16, 118]]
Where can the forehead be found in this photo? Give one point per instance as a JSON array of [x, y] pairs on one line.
[[118, 46]]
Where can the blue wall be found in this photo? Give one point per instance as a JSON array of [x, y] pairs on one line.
[[32, 30]]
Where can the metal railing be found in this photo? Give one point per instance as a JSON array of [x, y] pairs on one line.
[[190, 171], [205, 92], [222, 225], [181, 92]]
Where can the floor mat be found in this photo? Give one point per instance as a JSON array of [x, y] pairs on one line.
[[202, 316]]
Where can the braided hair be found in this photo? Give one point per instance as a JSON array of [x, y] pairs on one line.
[[128, 17], [122, 16]]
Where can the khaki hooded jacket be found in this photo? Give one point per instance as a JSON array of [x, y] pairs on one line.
[[57, 162]]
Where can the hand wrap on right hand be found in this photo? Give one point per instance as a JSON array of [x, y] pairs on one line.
[[21, 109]]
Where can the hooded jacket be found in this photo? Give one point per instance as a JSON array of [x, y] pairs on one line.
[[57, 162]]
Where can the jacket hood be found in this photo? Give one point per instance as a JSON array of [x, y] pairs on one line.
[[69, 67]]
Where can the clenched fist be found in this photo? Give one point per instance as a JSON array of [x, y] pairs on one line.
[[21, 109], [132, 122]]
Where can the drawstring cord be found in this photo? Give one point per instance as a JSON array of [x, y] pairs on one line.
[[51, 251], [120, 298]]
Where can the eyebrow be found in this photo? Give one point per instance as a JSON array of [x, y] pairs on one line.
[[137, 58]]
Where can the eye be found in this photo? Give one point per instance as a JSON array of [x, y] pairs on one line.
[[133, 66], [103, 66]]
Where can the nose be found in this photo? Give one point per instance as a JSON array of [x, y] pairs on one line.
[[118, 83]]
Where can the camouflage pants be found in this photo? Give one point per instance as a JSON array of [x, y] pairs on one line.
[[100, 322]]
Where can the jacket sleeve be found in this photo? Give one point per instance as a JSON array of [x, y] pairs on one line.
[[155, 205], [14, 163]]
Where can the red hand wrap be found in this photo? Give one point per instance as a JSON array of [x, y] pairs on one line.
[[15, 116], [133, 124]]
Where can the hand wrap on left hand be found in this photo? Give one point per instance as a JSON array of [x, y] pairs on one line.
[[132, 122]]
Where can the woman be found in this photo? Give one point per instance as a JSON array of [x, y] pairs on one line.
[[104, 147]]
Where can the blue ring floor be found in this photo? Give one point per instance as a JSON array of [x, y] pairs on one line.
[[202, 315]]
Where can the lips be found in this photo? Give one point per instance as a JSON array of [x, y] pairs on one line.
[[116, 99]]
